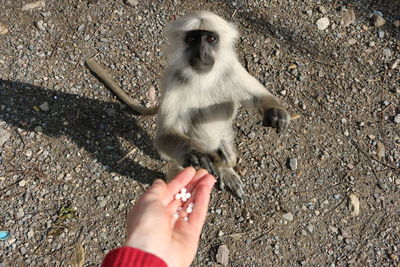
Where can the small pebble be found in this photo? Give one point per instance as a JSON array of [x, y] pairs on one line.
[[288, 217], [222, 256], [337, 196], [44, 106], [322, 9], [20, 213], [293, 164], [378, 20], [132, 2], [22, 183], [380, 150], [252, 135], [381, 34], [397, 119], [348, 18], [352, 41], [39, 25], [322, 23]]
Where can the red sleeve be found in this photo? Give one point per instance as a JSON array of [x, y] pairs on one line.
[[132, 257]]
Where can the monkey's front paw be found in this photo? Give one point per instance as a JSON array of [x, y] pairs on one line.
[[200, 160], [276, 118]]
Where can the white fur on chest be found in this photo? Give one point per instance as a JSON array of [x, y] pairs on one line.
[[202, 110]]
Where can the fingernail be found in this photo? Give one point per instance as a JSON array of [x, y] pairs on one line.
[[157, 181]]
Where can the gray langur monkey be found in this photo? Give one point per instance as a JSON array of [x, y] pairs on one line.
[[201, 90]]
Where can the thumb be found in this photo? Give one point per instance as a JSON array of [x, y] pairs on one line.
[[158, 187]]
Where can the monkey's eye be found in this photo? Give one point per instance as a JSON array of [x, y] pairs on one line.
[[190, 39], [211, 39]]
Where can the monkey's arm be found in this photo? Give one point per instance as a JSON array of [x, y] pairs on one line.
[[257, 96], [103, 75], [184, 151]]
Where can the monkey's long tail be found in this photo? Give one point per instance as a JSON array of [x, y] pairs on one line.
[[132, 103]]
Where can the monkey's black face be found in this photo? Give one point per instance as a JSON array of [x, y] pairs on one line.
[[200, 47]]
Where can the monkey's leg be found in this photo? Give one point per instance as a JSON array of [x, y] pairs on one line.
[[227, 176]]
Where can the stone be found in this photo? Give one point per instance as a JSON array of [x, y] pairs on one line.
[[44, 106], [392, 65], [4, 136], [381, 34], [336, 196], [252, 135], [352, 41], [323, 23], [20, 213], [293, 164], [397, 119], [322, 9], [33, 5], [348, 18], [222, 256], [132, 2], [288, 217], [40, 26], [380, 150], [378, 20]]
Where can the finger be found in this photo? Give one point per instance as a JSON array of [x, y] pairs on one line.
[[174, 204], [201, 201], [158, 188], [197, 177], [179, 181]]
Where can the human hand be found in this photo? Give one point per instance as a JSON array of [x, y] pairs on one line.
[[152, 226]]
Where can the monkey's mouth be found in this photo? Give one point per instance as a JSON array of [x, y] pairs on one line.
[[200, 65]]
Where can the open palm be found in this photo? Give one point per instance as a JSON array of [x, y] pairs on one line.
[[152, 226]]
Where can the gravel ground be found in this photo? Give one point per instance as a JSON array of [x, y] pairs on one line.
[[62, 133]]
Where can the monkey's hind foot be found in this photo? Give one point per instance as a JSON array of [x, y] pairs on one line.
[[228, 177]]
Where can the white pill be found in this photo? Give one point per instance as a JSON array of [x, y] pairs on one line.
[[184, 198], [186, 218], [178, 196], [176, 215], [191, 204], [179, 208], [189, 210], [188, 195], [183, 190]]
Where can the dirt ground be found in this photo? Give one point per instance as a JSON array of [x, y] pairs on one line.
[[62, 133]]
